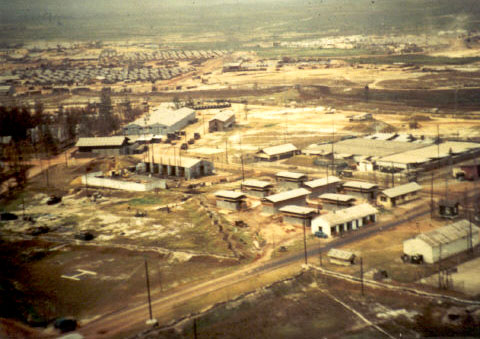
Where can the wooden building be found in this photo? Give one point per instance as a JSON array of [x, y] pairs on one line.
[[335, 201], [105, 146], [273, 203], [222, 121], [290, 180], [298, 215], [257, 188], [318, 187], [277, 152], [359, 189], [394, 196], [230, 200]]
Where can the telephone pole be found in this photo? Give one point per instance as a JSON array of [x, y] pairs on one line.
[[361, 276]]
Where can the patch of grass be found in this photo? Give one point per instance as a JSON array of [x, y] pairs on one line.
[[278, 52], [145, 201], [415, 59]]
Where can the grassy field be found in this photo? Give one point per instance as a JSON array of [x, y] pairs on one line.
[[414, 59], [278, 52]]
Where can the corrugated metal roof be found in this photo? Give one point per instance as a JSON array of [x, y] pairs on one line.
[[348, 214], [402, 189], [287, 195], [290, 175], [449, 233], [359, 184], [229, 194], [361, 146], [257, 183], [223, 116], [340, 254], [186, 162], [337, 197], [280, 149], [322, 182], [428, 153], [297, 209], [163, 116], [101, 142]]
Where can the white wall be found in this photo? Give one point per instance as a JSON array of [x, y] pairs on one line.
[[92, 179]]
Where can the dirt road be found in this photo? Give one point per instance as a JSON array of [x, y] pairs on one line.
[[132, 317]]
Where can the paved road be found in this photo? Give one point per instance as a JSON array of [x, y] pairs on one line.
[[124, 320]]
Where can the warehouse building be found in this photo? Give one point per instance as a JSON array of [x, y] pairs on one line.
[[277, 152], [398, 195], [318, 187], [335, 201], [298, 215], [104, 146], [181, 167], [428, 157], [359, 189], [230, 200], [161, 121], [443, 242], [290, 180], [348, 219], [273, 203], [257, 188], [221, 122]]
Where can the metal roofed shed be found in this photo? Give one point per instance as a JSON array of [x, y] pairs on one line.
[[257, 188], [345, 220], [334, 201], [230, 200], [298, 215], [177, 166], [328, 184], [107, 146], [290, 180], [425, 155], [221, 121], [277, 152], [360, 189], [341, 257], [161, 121], [394, 196], [272, 203], [443, 242]]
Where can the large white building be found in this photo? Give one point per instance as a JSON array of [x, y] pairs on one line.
[[443, 242], [345, 220], [161, 121]]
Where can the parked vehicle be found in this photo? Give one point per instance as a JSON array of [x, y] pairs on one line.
[[196, 135], [320, 234]]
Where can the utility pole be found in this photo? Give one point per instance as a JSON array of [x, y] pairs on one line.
[[204, 133], [361, 275], [243, 171], [195, 328], [226, 151], [66, 159], [431, 198], [321, 260], [148, 290], [305, 242], [86, 183], [440, 267]]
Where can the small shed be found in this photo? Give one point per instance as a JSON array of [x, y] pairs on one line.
[[277, 152], [222, 121], [394, 196], [345, 220], [443, 242], [335, 201], [290, 180], [318, 187], [469, 171], [257, 188], [273, 203], [341, 257], [448, 208], [360, 189], [230, 200], [298, 215]]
